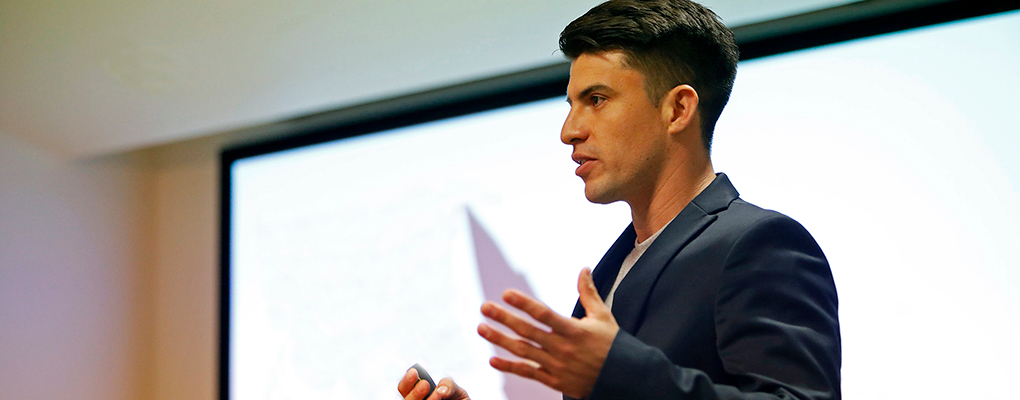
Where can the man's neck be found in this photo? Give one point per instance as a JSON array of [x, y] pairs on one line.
[[669, 198]]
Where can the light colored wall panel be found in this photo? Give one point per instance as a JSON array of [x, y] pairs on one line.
[[186, 268], [75, 287]]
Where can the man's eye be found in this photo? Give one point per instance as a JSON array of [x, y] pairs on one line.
[[596, 100]]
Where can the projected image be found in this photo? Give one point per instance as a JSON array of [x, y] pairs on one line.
[[355, 259]]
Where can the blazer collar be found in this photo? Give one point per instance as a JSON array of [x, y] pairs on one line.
[[632, 294]]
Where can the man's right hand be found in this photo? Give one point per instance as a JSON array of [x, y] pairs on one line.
[[413, 389]]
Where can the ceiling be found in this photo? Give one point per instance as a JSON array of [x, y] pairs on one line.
[[88, 79]]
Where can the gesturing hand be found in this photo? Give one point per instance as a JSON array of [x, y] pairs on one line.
[[569, 357]]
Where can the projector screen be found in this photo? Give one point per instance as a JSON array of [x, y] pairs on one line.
[[354, 259]]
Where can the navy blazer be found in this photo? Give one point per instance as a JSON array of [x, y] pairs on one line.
[[729, 302]]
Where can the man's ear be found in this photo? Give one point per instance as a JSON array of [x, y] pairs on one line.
[[680, 108]]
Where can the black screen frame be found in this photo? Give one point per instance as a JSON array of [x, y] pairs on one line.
[[800, 32]]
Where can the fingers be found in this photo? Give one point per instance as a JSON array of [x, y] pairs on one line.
[[413, 388], [418, 392], [589, 296], [447, 389], [540, 312], [518, 324], [518, 347], [525, 369], [444, 388], [407, 382]]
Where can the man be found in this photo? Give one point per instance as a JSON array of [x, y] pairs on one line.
[[704, 296]]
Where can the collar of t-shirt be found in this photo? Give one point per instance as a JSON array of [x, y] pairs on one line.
[[628, 263]]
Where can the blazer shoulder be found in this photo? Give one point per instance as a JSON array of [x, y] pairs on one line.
[[744, 222], [742, 213]]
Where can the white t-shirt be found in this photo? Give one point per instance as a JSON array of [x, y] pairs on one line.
[[628, 263]]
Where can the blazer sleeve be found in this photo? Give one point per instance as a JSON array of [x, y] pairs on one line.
[[777, 330]]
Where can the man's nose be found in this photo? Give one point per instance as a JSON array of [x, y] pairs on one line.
[[573, 129]]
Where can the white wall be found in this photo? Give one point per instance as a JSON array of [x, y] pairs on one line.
[[108, 273], [92, 78], [75, 288], [186, 198]]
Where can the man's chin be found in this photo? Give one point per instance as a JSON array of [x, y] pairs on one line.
[[598, 197]]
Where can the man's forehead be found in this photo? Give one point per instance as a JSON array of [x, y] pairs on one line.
[[606, 69]]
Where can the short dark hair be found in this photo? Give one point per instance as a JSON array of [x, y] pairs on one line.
[[671, 42]]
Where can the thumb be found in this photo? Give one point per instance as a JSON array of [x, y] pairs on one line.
[[589, 296]]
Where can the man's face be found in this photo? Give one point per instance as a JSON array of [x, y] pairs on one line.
[[619, 136]]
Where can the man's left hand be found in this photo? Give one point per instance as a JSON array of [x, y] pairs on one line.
[[569, 357]]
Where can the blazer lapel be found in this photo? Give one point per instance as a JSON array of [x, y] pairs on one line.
[[605, 272], [631, 296]]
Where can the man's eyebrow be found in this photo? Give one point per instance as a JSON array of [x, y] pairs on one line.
[[590, 89]]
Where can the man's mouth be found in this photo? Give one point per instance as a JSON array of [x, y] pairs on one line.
[[584, 165], [582, 160]]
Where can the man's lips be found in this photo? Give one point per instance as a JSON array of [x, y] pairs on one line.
[[585, 164]]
